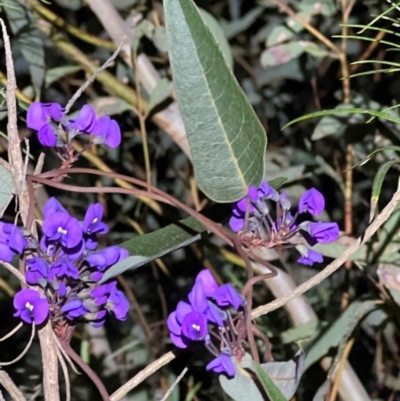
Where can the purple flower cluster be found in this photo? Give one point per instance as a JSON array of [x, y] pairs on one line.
[[49, 118], [207, 316], [251, 218], [67, 267]]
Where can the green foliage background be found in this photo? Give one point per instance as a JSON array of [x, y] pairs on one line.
[[287, 70]]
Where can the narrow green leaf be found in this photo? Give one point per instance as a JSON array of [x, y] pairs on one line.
[[54, 74], [29, 39], [333, 335], [147, 247], [377, 185], [342, 112], [6, 187], [267, 383], [226, 138]]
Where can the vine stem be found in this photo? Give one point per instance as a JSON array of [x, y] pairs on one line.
[[86, 368]]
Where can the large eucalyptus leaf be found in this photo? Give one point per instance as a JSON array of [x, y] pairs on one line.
[[147, 247], [29, 39], [226, 139]]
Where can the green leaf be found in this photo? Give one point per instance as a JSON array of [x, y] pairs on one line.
[[6, 188], [147, 247], [377, 185], [29, 39], [332, 337], [268, 385], [160, 38], [226, 138], [54, 74], [342, 112], [281, 54], [283, 379], [236, 26], [219, 35], [162, 90]]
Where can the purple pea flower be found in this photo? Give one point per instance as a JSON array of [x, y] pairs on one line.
[[30, 307], [312, 201], [37, 271], [73, 309], [107, 131], [209, 283], [267, 192], [226, 295], [63, 268], [62, 227], [223, 364], [52, 206], [39, 114], [252, 195], [175, 325], [92, 222], [40, 117], [324, 232], [308, 256], [106, 257], [236, 222], [117, 302], [86, 120], [12, 242]]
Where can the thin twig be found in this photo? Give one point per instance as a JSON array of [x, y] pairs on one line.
[[174, 384], [26, 349], [79, 92], [66, 375], [142, 375], [10, 386], [14, 271], [13, 331]]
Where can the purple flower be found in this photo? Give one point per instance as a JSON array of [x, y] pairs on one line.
[[52, 206], [62, 227], [108, 131], [194, 326], [267, 192], [39, 114], [223, 364], [86, 120], [37, 271], [47, 136], [113, 299], [284, 201], [73, 309], [30, 307], [12, 242], [209, 283], [92, 222], [236, 222], [40, 117], [177, 319], [324, 232], [117, 302], [309, 256], [226, 295], [312, 201], [63, 268], [252, 195], [106, 257]]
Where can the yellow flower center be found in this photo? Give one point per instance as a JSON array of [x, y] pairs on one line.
[[196, 327], [29, 306]]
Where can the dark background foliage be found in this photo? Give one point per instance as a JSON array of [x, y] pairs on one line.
[[314, 152]]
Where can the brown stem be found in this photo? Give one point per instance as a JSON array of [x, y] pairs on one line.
[[166, 198], [86, 368]]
